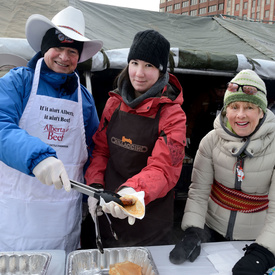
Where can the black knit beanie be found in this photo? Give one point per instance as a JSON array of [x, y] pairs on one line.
[[54, 38], [152, 47]]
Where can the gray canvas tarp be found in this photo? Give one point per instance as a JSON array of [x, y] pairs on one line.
[[200, 44], [14, 14]]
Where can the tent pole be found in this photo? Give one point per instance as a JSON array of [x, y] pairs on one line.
[[201, 72], [88, 80]]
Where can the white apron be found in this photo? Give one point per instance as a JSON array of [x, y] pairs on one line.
[[33, 215]]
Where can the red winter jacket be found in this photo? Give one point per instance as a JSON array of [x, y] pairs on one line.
[[164, 166]]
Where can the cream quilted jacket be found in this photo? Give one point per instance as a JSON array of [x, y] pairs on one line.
[[216, 159]]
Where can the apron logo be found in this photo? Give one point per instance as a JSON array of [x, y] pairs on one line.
[[127, 144], [55, 133], [124, 139]]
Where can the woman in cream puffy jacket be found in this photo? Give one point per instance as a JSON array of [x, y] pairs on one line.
[[232, 195]]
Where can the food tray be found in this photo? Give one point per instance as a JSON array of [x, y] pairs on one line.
[[24, 263], [88, 262]]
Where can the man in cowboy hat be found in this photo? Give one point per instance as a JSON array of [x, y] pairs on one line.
[[47, 119]]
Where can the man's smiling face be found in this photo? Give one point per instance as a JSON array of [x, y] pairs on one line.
[[62, 59]]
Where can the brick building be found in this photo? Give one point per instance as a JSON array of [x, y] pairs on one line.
[[254, 10]]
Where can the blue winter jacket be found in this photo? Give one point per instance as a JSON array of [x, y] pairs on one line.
[[18, 149]]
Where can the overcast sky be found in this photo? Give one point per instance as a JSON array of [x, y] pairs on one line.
[[152, 5]]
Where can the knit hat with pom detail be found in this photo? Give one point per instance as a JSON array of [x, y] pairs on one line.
[[152, 47], [250, 78]]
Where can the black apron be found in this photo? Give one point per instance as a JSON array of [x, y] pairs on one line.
[[131, 139]]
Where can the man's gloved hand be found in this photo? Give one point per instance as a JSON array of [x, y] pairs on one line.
[[52, 171], [256, 261], [116, 211], [94, 208], [190, 245]]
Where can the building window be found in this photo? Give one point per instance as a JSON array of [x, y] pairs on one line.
[[202, 11], [253, 3], [258, 15], [185, 4], [162, 1], [193, 2], [193, 13], [212, 8], [177, 6], [259, 3], [245, 6], [185, 13], [162, 10], [245, 16], [169, 8], [237, 7], [266, 13], [203, 1], [229, 3], [267, 2], [221, 7]]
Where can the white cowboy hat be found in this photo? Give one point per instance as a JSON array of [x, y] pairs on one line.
[[70, 21]]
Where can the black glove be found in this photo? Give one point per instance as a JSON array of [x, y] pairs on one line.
[[256, 261], [97, 186], [190, 245]]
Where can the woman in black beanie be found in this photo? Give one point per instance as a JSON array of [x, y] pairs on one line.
[[139, 146]]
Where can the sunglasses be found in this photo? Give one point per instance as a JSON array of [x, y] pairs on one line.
[[247, 89]]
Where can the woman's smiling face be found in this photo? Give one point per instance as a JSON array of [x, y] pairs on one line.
[[243, 117], [143, 75]]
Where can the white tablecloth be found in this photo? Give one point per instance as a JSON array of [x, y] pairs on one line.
[[58, 262], [202, 265]]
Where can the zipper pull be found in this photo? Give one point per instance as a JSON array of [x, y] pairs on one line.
[[240, 173]]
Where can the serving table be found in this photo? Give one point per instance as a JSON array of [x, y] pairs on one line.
[[214, 259]]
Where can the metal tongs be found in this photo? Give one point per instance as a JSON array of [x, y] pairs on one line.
[[108, 196]]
